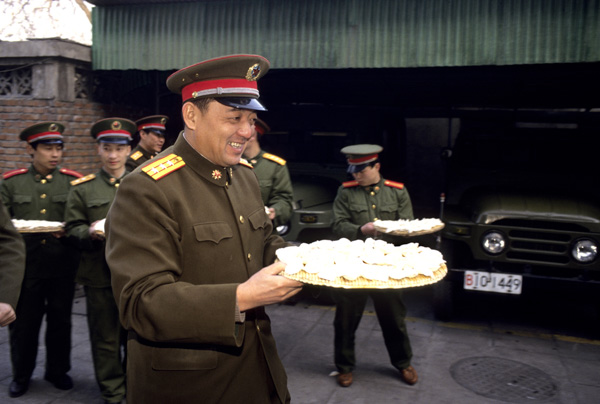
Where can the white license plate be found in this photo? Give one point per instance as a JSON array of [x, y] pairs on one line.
[[493, 282]]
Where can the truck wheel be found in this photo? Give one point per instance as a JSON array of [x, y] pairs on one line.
[[443, 300]]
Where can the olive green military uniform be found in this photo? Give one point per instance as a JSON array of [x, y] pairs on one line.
[[89, 201], [137, 157], [48, 286], [175, 273], [275, 185], [353, 207], [12, 260]]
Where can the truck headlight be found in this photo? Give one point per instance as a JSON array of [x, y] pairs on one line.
[[493, 242], [585, 250]]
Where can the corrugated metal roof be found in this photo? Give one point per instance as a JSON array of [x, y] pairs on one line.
[[330, 34]]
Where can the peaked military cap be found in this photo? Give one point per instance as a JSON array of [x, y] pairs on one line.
[[114, 130], [231, 80], [45, 132], [359, 156], [261, 126], [155, 123]]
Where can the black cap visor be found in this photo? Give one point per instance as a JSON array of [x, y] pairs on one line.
[[242, 103], [115, 140], [352, 169]]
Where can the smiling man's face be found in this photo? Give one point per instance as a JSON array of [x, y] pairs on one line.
[[220, 133]]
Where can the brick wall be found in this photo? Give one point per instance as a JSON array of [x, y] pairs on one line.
[[78, 117]]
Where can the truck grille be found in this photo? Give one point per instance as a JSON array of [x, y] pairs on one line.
[[539, 242]]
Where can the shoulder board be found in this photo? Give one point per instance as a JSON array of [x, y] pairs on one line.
[[393, 184], [164, 166], [71, 172], [349, 184], [274, 158], [136, 155], [12, 173], [83, 179], [246, 163]]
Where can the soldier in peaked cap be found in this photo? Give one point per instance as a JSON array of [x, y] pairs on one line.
[[192, 278], [40, 193], [151, 131], [273, 176], [87, 207], [369, 197]]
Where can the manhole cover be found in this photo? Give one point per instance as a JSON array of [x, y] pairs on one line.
[[503, 379]]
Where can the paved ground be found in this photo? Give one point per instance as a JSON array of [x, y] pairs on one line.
[[483, 358]]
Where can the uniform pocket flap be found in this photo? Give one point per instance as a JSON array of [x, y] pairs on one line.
[[258, 219], [215, 231], [97, 202], [60, 198], [183, 359], [21, 198]]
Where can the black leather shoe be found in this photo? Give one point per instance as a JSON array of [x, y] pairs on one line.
[[62, 382], [17, 389]]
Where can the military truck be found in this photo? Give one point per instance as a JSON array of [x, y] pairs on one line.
[[522, 211]]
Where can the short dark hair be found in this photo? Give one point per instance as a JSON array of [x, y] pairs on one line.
[[202, 103]]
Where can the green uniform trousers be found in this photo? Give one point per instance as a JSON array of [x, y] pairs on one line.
[[391, 312], [39, 296], [108, 338]]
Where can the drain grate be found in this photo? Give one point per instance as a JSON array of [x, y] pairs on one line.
[[503, 379]]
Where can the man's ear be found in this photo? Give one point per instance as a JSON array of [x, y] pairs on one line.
[[29, 148], [190, 115]]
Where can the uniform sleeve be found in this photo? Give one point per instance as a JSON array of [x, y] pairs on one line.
[[281, 197], [405, 210], [342, 222], [146, 263], [12, 260], [6, 197], [77, 223]]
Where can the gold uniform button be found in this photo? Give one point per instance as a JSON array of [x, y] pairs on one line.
[[249, 256], [43, 211], [242, 219], [373, 206], [117, 185], [43, 181], [257, 327], [43, 196], [372, 193], [375, 219], [43, 241]]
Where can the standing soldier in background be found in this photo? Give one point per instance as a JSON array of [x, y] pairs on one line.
[[273, 177], [12, 267], [87, 205], [40, 193], [152, 139], [357, 205]]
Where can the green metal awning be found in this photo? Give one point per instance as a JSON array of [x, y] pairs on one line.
[[336, 34]]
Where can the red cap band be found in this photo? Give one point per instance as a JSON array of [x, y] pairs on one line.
[[220, 87], [44, 135], [363, 159]]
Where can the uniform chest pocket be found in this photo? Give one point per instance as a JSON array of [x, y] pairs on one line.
[[258, 219], [61, 198], [20, 199], [388, 211], [356, 208], [97, 202], [214, 232]]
